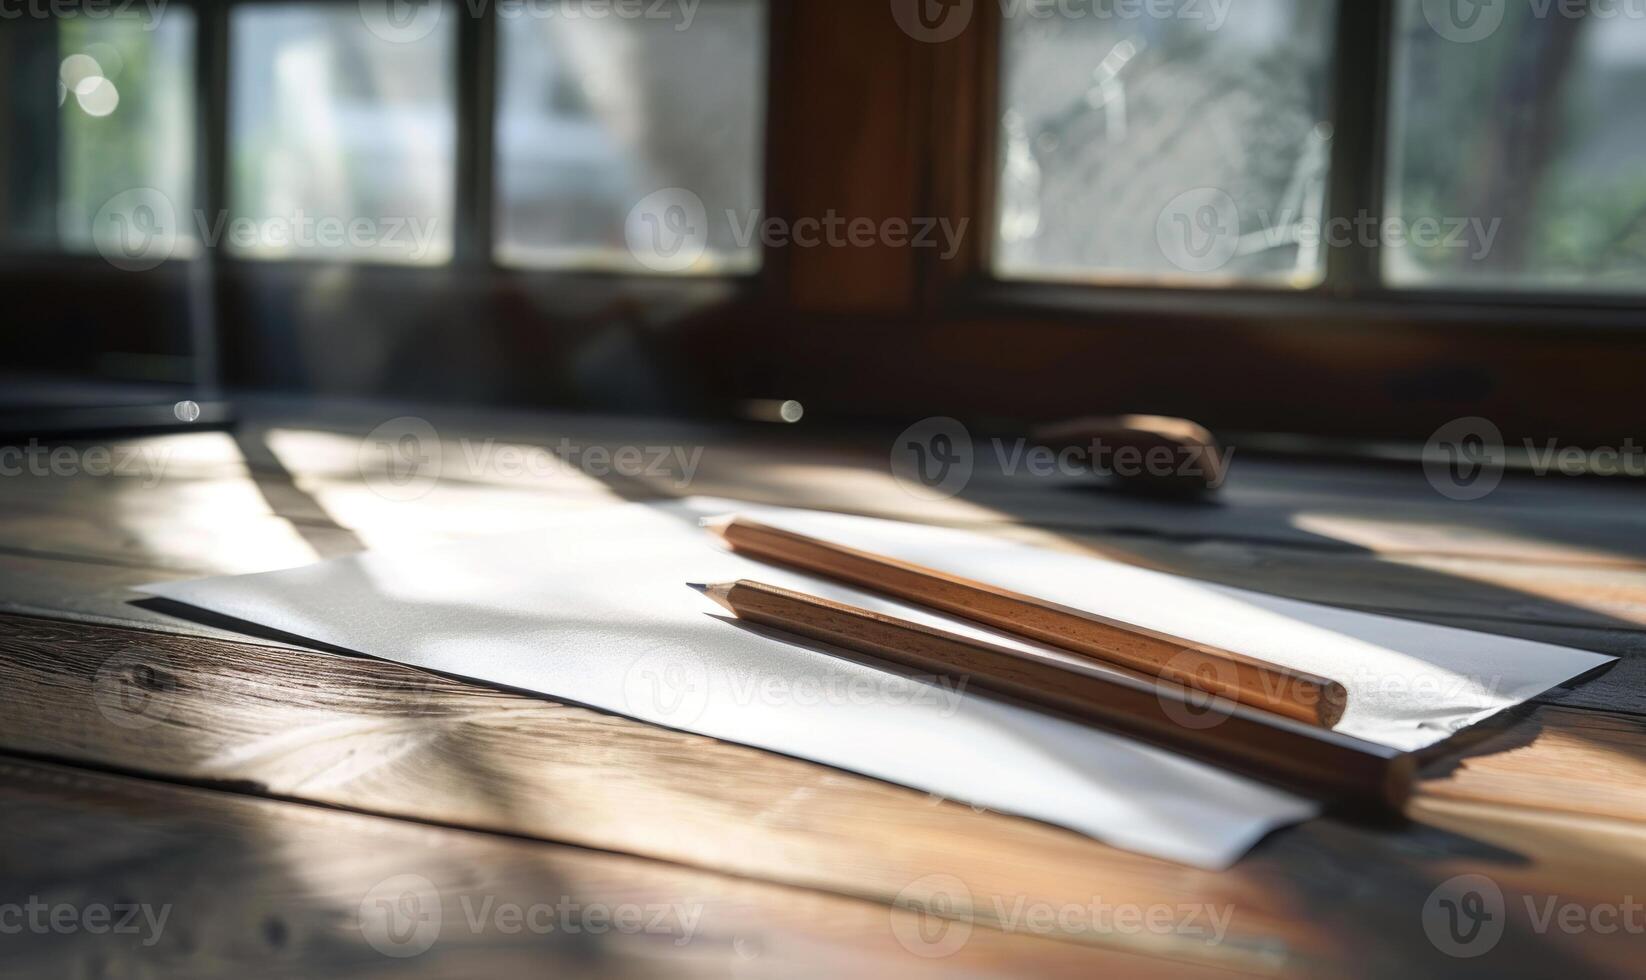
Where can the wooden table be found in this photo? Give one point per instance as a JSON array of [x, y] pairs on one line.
[[276, 803]]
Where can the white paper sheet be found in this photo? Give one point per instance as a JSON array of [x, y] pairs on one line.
[[594, 609]]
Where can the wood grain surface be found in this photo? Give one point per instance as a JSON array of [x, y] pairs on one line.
[[262, 783]]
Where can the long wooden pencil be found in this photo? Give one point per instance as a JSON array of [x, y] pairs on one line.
[[1295, 694], [1335, 768]]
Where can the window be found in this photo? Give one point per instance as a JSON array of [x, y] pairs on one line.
[[106, 134], [631, 143], [1524, 135], [1181, 141], [341, 138]]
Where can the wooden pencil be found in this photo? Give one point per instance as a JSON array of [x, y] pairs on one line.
[[1295, 694], [1334, 768]]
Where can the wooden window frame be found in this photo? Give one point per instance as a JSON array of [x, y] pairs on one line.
[[864, 121], [1349, 358]]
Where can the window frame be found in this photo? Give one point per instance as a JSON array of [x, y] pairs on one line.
[[1352, 290], [862, 119]]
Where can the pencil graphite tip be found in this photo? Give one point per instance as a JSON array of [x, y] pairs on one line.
[[717, 524], [719, 593]]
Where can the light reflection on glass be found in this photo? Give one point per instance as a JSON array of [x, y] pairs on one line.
[[594, 115], [342, 143], [109, 108], [1522, 149], [1187, 145]]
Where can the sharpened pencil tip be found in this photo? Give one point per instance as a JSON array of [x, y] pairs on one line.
[[699, 586], [719, 593]]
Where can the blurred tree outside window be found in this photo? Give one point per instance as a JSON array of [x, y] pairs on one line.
[[597, 115], [341, 141], [1189, 143], [1535, 125], [99, 108]]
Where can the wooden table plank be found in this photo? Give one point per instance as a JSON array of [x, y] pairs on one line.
[[223, 523], [1545, 804], [222, 884], [380, 737], [1554, 759], [302, 459], [235, 535]]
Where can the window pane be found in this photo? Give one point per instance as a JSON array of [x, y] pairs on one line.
[[1185, 141], [341, 138], [596, 116], [1518, 140], [101, 115]]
